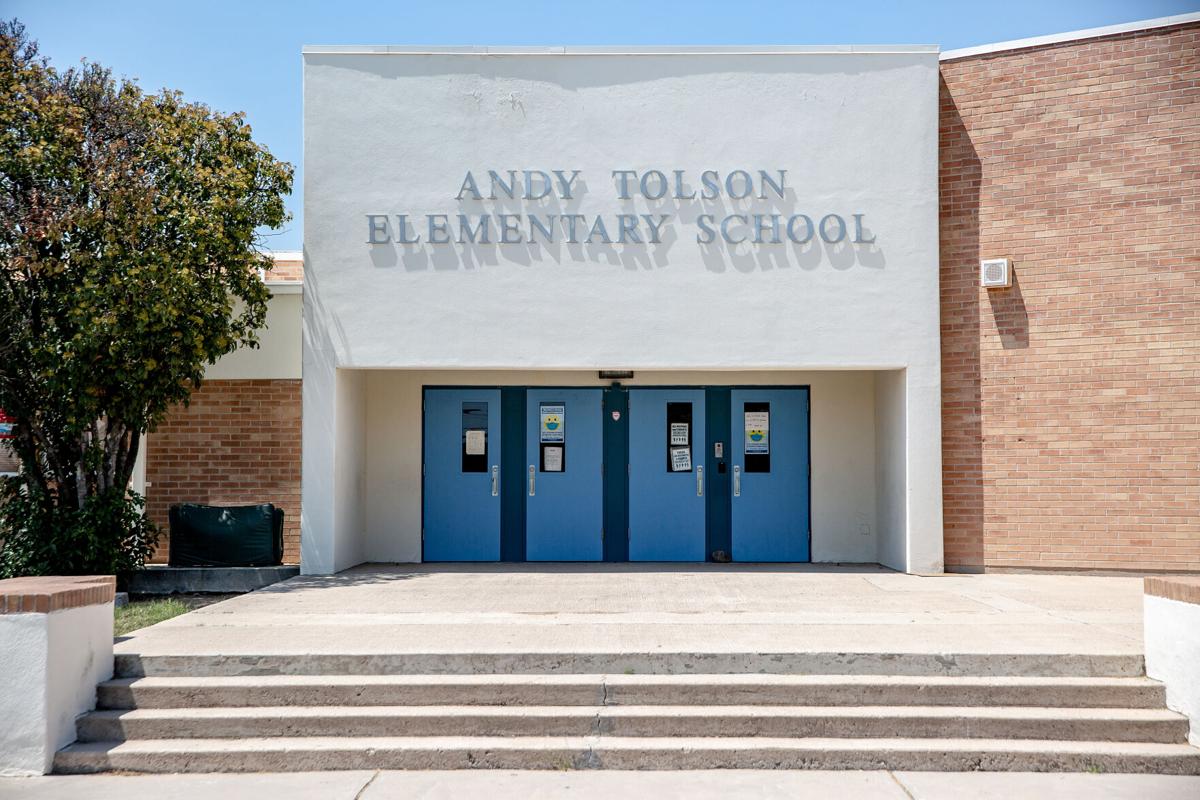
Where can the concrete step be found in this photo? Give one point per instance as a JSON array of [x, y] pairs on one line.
[[593, 690], [131, 665], [611, 752], [852, 722]]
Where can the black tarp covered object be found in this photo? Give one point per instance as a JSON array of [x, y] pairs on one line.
[[232, 536]]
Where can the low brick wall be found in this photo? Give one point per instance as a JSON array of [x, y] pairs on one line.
[[1181, 589], [237, 443], [44, 594]]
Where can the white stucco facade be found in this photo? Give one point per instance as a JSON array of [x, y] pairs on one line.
[[842, 139]]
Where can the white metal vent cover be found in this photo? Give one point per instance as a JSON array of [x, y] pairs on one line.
[[995, 273]]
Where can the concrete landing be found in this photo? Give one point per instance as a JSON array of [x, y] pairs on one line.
[[673, 613]]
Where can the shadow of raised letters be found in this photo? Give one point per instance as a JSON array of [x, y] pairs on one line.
[[743, 220]]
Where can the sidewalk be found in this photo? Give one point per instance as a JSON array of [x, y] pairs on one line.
[[601, 785]]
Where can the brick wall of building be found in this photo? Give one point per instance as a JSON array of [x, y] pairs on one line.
[[8, 459], [237, 443], [1071, 401], [287, 269]]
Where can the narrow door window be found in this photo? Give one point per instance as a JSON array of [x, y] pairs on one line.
[[679, 437], [552, 437], [474, 436], [757, 432]]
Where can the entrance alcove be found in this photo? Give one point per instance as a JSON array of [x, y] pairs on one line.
[[857, 454]]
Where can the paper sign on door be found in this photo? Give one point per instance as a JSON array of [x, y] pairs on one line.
[[758, 432], [552, 460], [679, 433], [554, 423], [477, 442], [681, 459]]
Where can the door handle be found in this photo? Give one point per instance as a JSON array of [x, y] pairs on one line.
[[495, 480], [737, 481], [699, 481], [532, 473]]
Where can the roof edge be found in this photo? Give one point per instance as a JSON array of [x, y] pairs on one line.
[[1071, 36], [612, 50]]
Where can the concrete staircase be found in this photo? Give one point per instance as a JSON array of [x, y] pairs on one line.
[[543, 711]]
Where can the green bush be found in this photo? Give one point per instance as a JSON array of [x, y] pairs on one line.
[[110, 535]]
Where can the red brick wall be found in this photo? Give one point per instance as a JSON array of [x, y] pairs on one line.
[[8, 459], [1071, 401], [238, 443], [287, 269]]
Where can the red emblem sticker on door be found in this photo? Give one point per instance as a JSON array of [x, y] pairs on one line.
[[616, 416]]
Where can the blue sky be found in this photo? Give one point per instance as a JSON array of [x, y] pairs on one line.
[[245, 55]]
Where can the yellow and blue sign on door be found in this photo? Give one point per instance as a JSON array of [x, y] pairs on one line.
[[758, 432], [554, 423]]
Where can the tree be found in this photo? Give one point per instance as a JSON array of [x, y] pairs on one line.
[[129, 260]]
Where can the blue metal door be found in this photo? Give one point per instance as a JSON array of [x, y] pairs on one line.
[[564, 479], [666, 475], [462, 475], [770, 474]]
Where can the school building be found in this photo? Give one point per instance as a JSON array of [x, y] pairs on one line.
[[934, 310]]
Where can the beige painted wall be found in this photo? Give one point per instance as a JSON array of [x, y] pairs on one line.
[[890, 469], [843, 450], [278, 354], [349, 465]]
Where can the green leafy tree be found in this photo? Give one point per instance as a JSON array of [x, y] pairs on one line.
[[129, 261]]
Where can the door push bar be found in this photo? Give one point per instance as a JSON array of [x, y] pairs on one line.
[[495, 480], [737, 481], [699, 481], [532, 473]]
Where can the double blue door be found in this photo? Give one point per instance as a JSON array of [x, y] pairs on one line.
[[701, 476]]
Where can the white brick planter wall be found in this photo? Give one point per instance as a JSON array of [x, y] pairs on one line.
[[1172, 631], [56, 640]]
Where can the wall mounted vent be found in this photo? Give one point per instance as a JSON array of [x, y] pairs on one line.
[[995, 273]]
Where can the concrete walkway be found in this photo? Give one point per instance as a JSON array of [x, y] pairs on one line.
[[705, 785], [660, 608]]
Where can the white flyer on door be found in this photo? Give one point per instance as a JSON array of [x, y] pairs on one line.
[[552, 459], [476, 442], [679, 433], [681, 459]]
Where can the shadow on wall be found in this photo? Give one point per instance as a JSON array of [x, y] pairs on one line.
[[960, 176], [1008, 311]]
